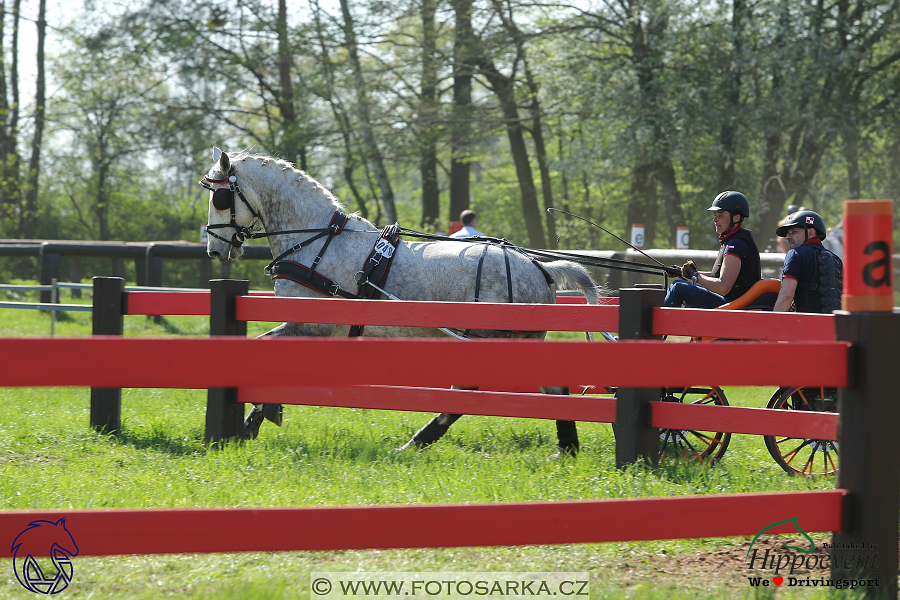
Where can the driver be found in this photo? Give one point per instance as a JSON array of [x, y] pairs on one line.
[[812, 278], [736, 268]]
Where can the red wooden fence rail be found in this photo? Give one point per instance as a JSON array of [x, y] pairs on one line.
[[742, 324], [115, 362], [672, 415], [195, 530], [569, 314], [471, 315]]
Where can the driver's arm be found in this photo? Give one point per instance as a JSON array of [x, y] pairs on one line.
[[731, 267], [786, 295]]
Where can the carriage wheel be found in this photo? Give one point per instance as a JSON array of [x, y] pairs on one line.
[[798, 455], [692, 445]]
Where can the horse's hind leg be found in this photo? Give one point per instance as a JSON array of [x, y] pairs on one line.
[[566, 431], [432, 432], [259, 413]]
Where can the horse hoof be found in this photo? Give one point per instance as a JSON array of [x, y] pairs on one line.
[[569, 452], [252, 423], [411, 445], [274, 413]]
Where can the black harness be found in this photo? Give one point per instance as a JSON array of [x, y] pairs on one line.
[[375, 269], [504, 245]]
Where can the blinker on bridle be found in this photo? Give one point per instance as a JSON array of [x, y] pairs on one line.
[[223, 199]]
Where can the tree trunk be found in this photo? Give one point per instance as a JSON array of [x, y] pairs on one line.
[[340, 115], [504, 88], [9, 168], [428, 162], [101, 205], [540, 152], [658, 170], [773, 193], [665, 173], [290, 142], [373, 153], [732, 93], [644, 205], [461, 128], [30, 213]]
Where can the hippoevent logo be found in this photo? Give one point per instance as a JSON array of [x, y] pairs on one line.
[[792, 521], [818, 564], [45, 539]]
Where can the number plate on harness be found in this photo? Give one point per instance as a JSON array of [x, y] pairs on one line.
[[384, 248]]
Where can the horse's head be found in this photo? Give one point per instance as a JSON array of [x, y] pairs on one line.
[[231, 215], [40, 538]]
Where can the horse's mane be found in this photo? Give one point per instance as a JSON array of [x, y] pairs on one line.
[[287, 170]]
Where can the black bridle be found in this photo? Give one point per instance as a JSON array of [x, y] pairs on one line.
[[223, 199]]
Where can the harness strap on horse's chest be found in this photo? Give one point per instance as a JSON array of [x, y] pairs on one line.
[[376, 268], [288, 269], [335, 226]]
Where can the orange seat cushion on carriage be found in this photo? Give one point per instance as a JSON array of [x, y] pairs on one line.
[[763, 286]]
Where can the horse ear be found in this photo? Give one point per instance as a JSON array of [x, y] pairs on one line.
[[216, 153], [224, 163]]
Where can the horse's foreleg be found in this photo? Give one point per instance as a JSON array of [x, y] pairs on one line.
[[270, 412], [435, 429], [432, 432], [566, 431]]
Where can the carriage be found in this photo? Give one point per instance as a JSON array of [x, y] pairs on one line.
[[795, 455]]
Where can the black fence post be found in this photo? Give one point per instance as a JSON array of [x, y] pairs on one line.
[[635, 439], [869, 464], [108, 319], [224, 414], [49, 271], [154, 268], [153, 274], [140, 270]]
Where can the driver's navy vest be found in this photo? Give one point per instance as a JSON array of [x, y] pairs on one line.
[[750, 271]]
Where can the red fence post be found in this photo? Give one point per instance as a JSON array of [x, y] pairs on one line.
[[635, 438], [224, 414], [869, 411], [107, 319]]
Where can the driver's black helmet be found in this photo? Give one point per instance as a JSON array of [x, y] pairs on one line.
[[733, 202], [805, 219]]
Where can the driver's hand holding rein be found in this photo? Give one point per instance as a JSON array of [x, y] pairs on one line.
[[736, 268]]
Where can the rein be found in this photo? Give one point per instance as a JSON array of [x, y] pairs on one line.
[[582, 259], [223, 199]]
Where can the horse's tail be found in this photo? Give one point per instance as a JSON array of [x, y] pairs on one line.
[[572, 276]]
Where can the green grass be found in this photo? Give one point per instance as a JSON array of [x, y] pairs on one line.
[[50, 459]]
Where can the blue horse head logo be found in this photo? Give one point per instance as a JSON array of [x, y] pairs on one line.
[[44, 538]]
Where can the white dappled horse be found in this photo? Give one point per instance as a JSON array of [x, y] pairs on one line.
[[326, 250]]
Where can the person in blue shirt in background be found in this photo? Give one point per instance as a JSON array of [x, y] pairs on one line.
[[812, 277], [737, 266]]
